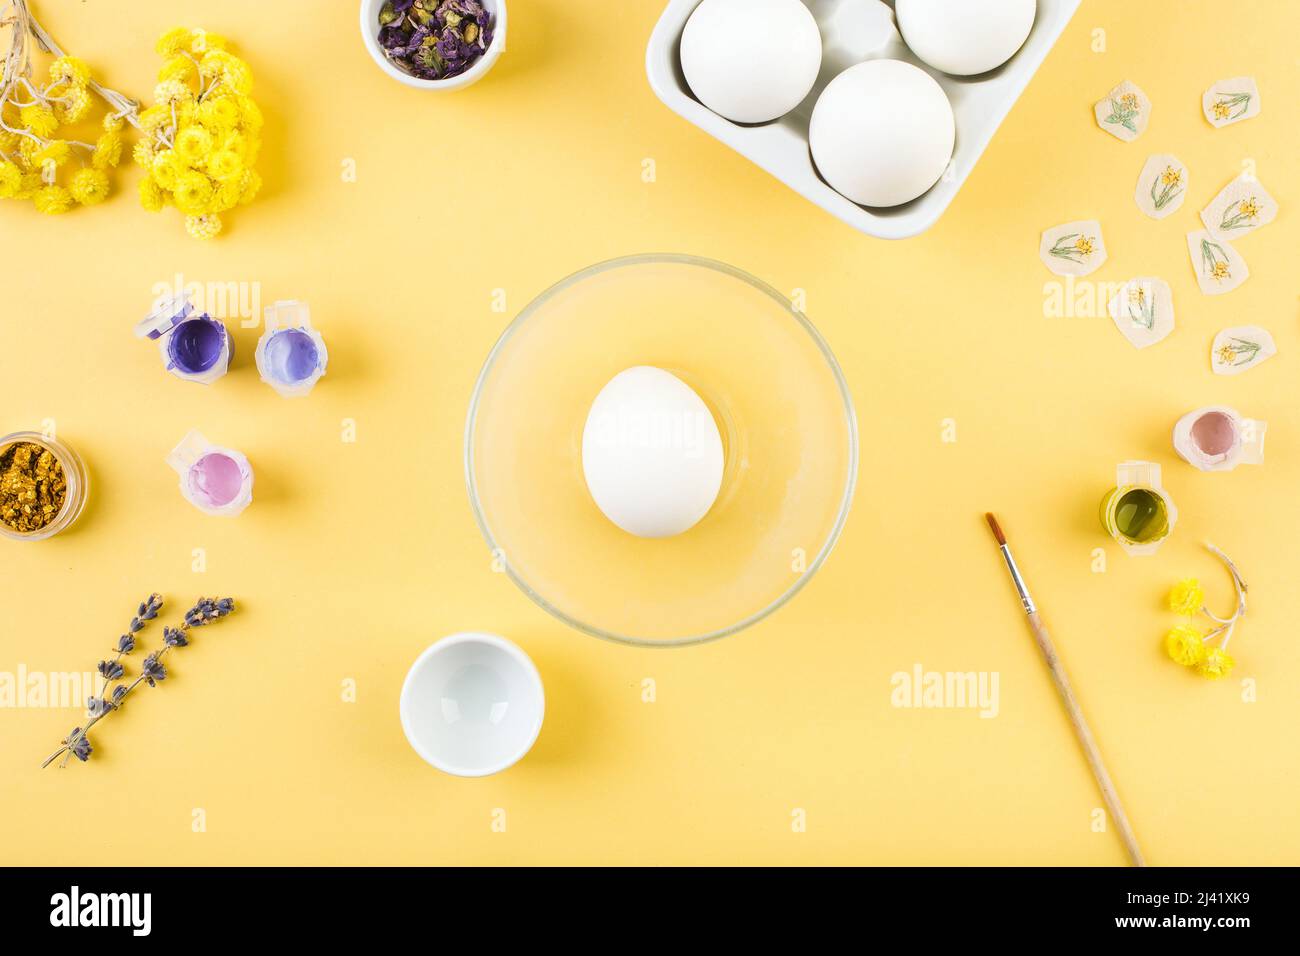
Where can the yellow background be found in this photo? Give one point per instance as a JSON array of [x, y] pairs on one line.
[[354, 557]]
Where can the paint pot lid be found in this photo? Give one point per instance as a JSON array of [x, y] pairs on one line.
[[169, 312]]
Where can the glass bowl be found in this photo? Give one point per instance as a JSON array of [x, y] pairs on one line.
[[781, 405], [74, 473]]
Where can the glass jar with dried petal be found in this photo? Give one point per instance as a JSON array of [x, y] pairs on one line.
[[43, 486]]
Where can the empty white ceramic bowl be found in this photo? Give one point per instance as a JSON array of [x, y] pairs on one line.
[[472, 704], [370, 34]]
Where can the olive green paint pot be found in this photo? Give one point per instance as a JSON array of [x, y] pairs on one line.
[[1137, 512]]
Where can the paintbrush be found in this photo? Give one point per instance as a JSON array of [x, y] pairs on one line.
[[1067, 697]]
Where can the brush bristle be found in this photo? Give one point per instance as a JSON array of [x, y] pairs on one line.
[[996, 528]]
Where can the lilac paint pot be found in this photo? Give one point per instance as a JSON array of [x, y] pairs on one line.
[[216, 480], [291, 355], [196, 348]]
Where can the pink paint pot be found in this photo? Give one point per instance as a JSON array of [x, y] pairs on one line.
[[216, 480], [1218, 438]]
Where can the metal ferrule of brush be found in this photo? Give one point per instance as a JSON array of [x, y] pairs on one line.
[[1021, 589]]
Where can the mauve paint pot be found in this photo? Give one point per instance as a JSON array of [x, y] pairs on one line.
[[196, 348], [1219, 438], [216, 480], [291, 355]]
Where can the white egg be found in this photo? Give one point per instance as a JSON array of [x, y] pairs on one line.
[[751, 60], [965, 37], [882, 132], [651, 453]]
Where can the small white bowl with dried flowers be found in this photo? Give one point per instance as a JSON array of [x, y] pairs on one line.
[[437, 45]]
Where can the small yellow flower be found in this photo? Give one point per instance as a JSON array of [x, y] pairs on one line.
[[1137, 295], [227, 195], [1219, 271], [203, 227], [174, 41], [152, 198], [1187, 597], [192, 193], [1171, 176], [75, 106], [179, 68], [70, 69], [112, 123], [250, 114], [1221, 110], [1084, 245], [225, 164], [89, 186], [39, 119], [1227, 354], [143, 152], [172, 93], [219, 113], [193, 144], [31, 185], [1186, 645], [252, 184], [56, 151], [1216, 663], [167, 168], [155, 118], [53, 200], [108, 150], [1249, 208], [11, 179], [1129, 100]]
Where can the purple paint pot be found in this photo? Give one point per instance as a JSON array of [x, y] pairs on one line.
[[217, 481], [291, 355], [196, 348], [196, 345]]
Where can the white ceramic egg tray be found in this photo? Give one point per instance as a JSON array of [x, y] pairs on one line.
[[849, 35]]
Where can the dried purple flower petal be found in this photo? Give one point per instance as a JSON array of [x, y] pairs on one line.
[[437, 39], [118, 693], [82, 749], [125, 644], [152, 670], [174, 637], [97, 706], [111, 670]]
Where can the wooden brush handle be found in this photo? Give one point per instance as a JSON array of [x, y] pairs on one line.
[[1085, 738]]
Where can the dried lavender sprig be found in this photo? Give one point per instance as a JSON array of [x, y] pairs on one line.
[[110, 670], [204, 612]]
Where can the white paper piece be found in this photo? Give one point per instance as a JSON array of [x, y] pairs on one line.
[[1143, 310], [1161, 186], [1218, 267], [1240, 349], [1231, 101], [1124, 111], [1073, 249], [1241, 207]]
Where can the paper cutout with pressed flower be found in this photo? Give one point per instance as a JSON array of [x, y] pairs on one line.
[[1219, 268], [1240, 349], [1073, 249], [1241, 207], [1161, 186], [1231, 101], [1143, 310], [1124, 112]]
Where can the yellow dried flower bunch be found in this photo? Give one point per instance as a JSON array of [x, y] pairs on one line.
[[202, 135], [55, 172], [1187, 644]]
